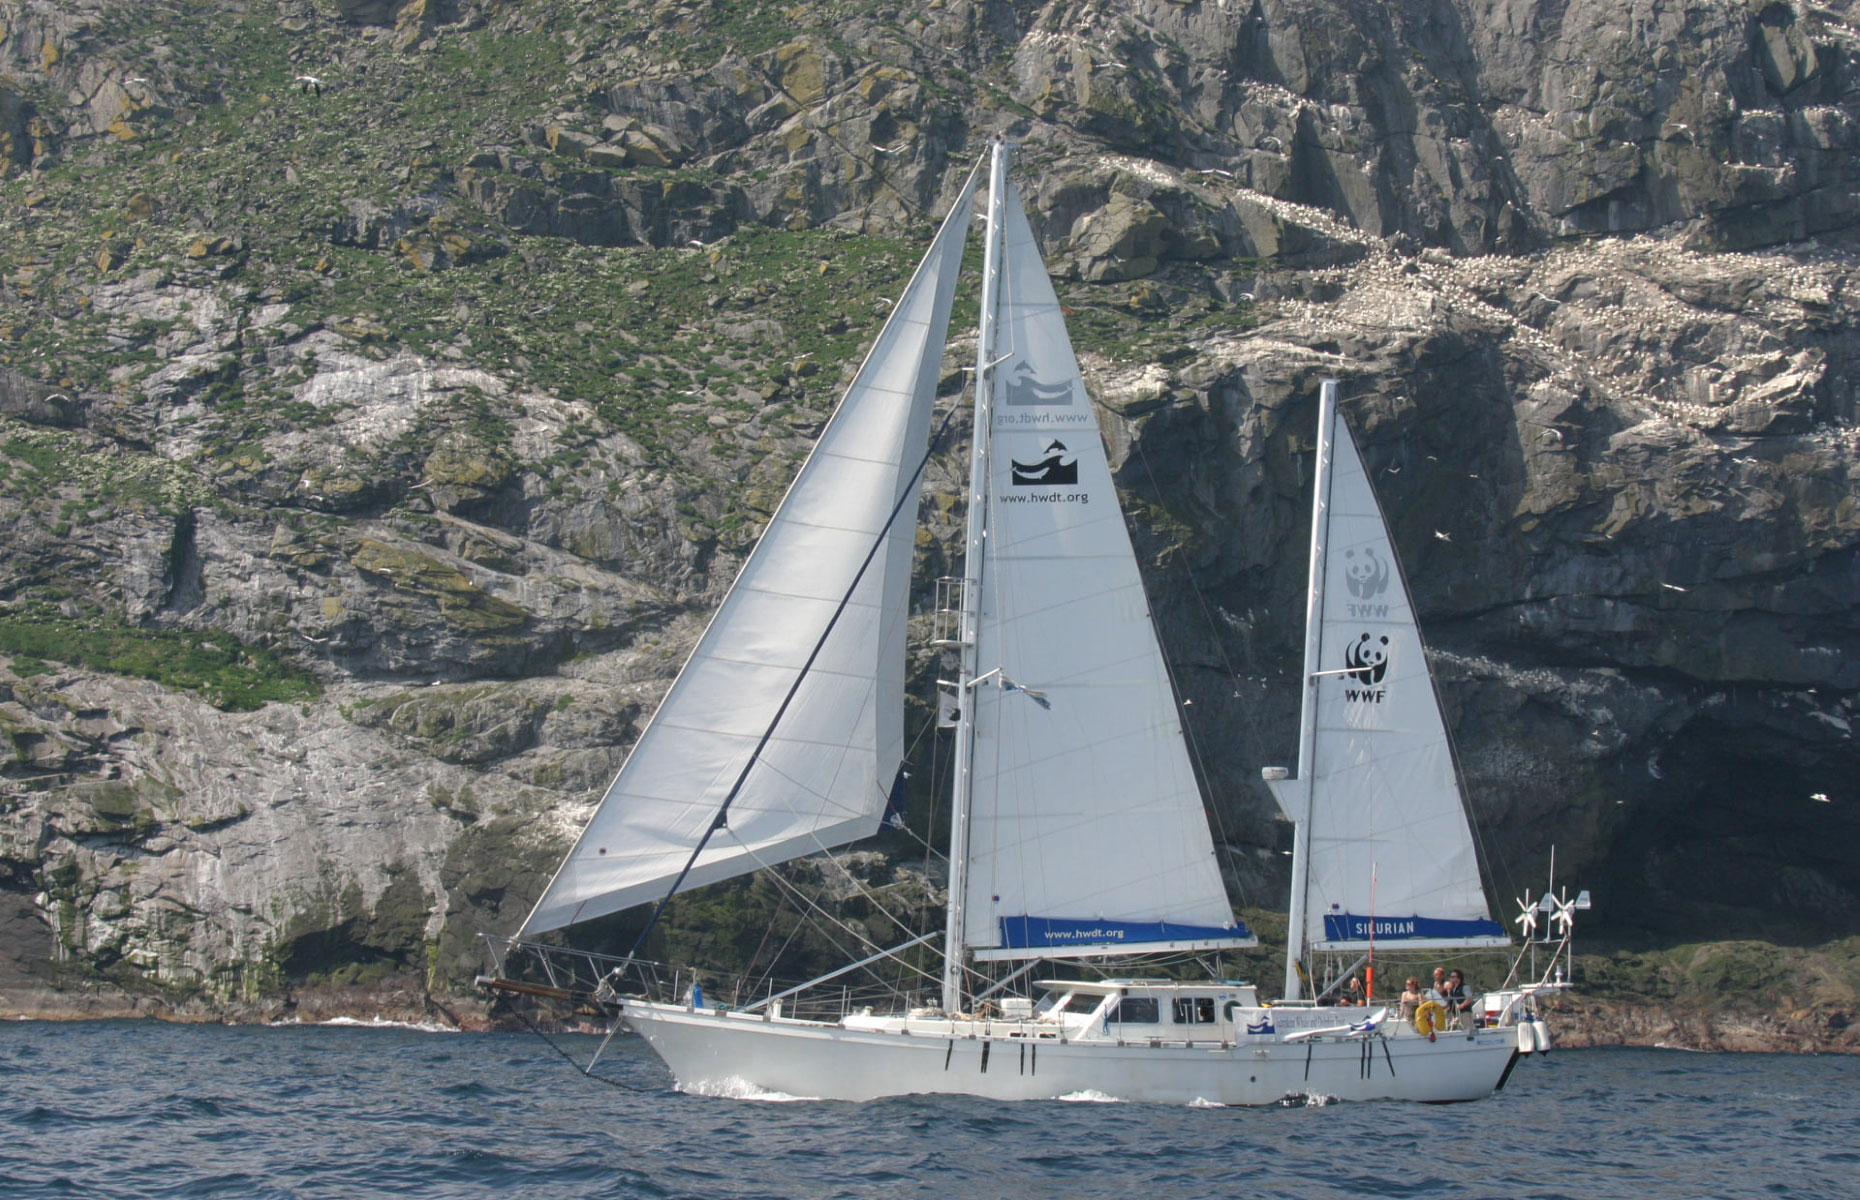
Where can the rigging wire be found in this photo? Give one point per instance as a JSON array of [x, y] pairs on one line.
[[585, 1072], [927, 912], [809, 903], [931, 853], [749, 970], [924, 734]]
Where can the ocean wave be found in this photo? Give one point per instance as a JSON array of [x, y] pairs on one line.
[[367, 1023]]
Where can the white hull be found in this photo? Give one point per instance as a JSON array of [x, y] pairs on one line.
[[717, 1053]]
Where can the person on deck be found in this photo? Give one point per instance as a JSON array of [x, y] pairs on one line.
[[1412, 999], [1353, 990], [1457, 1001], [1438, 993]]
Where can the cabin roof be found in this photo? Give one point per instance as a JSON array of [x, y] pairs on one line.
[[1104, 987]]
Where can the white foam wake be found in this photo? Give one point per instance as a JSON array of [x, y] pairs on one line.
[[735, 1087]]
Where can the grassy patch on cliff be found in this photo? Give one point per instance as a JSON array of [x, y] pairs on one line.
[[89, 481], [1727, 974], [220, 668]]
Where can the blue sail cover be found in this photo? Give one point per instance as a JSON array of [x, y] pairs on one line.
[[1063, 933], [1348, 927]]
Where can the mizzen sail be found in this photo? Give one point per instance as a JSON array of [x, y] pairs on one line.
[[1385, 798], [823, 776]]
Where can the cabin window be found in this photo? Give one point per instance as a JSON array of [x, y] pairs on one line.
[[1194, 1010], [1136, 1010]]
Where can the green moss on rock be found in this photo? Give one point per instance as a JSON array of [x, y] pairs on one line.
[[463, 605], [225, 671]]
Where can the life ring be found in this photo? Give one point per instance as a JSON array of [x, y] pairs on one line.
[[1430, 1018]]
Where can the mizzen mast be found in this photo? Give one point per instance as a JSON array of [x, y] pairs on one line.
[[1294, 795]]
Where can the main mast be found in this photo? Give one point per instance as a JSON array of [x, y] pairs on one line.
[[1300, 791], [972, 565]]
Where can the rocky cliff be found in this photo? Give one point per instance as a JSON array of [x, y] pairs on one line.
[[389, 390]]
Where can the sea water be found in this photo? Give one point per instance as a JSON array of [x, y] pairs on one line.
[[138, 1109]]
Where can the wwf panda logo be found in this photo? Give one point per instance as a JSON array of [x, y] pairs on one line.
[[1367, 575], [1367, 660]]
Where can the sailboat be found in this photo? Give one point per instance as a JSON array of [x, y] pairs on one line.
[[1077, 827]]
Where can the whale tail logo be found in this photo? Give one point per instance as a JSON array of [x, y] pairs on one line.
[[1060, 466]]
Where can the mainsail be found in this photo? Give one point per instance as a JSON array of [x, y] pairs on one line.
[[1389, 842], [822, 777], [1086, 829]]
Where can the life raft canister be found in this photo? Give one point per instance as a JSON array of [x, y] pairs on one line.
[[1430, 1018]]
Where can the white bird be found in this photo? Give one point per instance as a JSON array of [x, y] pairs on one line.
[[309, 83], [883, 149], [1672, 587], [1392, 470], [1554, 433], [1821, 797], [1441, 536]]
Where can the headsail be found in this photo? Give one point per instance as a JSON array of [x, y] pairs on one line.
[[1385, 796], [1078, 731], [822, 779]]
